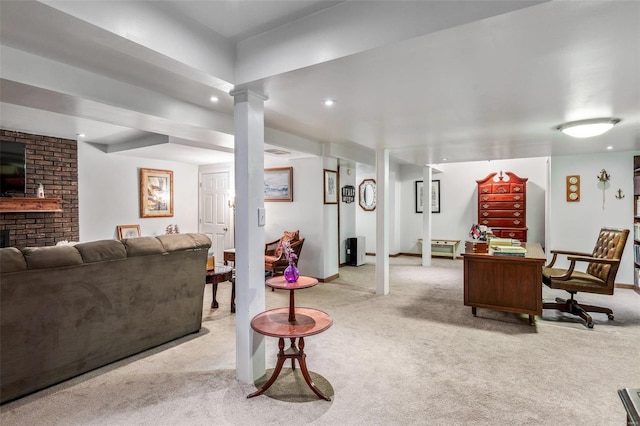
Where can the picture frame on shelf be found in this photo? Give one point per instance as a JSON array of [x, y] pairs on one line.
[[156, 193], [278, 184], [128, 231], [435, 196], [330, 187]]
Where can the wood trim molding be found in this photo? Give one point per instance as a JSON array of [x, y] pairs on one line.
[[25, 205]]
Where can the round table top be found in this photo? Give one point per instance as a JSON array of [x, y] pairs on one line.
[[281, 284], [275, 322]]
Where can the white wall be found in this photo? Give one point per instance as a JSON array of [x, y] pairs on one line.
[[366, 220], [109, 194], [347, 210], [575, 225], [317, 222], [459, 199]]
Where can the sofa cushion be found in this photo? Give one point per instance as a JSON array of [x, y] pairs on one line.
[[12, 260], [99, 251], [51, 257], [143, 246], [173, 242]]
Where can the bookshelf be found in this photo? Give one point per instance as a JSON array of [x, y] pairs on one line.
[[636, 222]]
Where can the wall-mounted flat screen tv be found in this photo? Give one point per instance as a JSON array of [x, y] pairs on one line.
[[12, 168]]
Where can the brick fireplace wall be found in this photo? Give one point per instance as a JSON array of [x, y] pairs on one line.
[[54, 163]]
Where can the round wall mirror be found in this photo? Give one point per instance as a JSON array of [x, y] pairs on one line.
[[367, 191]]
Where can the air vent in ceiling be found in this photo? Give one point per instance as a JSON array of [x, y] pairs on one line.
[[276, 151]]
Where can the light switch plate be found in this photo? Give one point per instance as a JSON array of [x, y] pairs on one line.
[[261, 217]]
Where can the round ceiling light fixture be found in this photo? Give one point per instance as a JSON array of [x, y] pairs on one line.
[[588, 128]]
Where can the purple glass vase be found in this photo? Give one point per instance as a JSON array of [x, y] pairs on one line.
[[291, 274]]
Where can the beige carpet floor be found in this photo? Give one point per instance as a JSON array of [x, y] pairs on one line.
[[414, 357]]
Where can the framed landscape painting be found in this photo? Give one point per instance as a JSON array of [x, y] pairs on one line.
[[156, 193], [278, 184]]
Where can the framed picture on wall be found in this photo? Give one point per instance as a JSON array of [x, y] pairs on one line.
[[128, 231], [330, 187], [435, 196], [278, 184], [156, 193]]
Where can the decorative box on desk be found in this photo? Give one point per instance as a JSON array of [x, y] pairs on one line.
[[476, 247]]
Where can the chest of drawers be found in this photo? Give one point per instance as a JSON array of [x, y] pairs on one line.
[[502, 205]]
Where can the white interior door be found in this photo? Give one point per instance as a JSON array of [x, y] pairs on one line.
[[215, 213]]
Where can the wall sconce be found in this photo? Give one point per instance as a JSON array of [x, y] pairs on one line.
[[619, 195], [604, 176]]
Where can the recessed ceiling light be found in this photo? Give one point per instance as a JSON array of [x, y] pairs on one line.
[[588, 128], [444, 158], [80, 135], [329, 102], [213, 99], [609, 147]]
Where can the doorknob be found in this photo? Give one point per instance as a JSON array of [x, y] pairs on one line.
[[225, 229]]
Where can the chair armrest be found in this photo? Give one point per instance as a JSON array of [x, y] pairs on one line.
[[555, 254], [270, 248], [593, 259], [574, 259]]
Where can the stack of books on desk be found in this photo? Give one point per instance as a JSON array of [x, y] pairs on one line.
[[504, 242], [499, 250]]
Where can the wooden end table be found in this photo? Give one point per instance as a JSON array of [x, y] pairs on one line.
[[291, 323], [218, 275]]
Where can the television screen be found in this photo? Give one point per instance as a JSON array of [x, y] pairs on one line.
[[12, 168]]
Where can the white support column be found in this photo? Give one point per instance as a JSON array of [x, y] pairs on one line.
[[382, 221], [426, 216], [249, 182]]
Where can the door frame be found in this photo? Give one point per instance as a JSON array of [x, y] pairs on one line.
[[217, 168]]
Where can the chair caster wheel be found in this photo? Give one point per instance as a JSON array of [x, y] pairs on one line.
[[610, 316], [589, 325]]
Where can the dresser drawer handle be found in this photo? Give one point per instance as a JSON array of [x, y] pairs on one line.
[[516, 222], [516, 214], [517, 198], [485, 214], [485, 190], [516, 189], [485, 198], [512, 234], [485, 206], [517, 205], [484, 222]]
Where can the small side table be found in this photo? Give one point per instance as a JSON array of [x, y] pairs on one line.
[[229, 255], [291, 323], [218, 275]]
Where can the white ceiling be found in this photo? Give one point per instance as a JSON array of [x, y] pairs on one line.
[[429, 80]]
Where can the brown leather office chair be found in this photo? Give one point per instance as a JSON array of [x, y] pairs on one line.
[[599, 276]]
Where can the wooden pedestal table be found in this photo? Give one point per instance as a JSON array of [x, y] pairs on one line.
[[218, 275], [291, 323]]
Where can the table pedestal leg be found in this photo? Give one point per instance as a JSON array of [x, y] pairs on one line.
[[214, 289], [294, 353]]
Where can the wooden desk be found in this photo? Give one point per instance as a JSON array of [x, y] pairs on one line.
[[505, 283], [291, 323]]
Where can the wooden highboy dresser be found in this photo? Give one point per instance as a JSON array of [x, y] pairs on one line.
[[502, 205]]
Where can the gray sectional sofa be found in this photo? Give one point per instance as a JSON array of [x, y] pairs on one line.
[[65, 310]]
